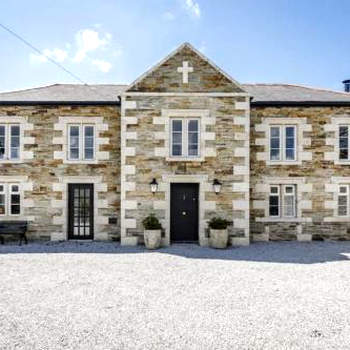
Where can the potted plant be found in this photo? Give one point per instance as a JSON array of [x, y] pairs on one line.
[[218, 237], [152, 232]]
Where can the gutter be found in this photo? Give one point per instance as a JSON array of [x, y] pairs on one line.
[[300, 104], [56, 103]]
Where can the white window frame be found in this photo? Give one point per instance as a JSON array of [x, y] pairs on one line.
[[282, 194], [343, 194], [185, 144], [8, 137], [81, 146], [7, 192], [338, 141], [282, 141]]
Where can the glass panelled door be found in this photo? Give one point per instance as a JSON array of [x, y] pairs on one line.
[[80, 211]]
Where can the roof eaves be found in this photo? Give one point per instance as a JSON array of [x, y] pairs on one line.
[[300, 103], [73, 103]]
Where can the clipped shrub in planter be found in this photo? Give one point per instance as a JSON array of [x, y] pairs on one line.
[[152, 232], [218, 233]]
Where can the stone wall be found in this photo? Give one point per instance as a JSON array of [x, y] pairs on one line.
[[43, 169], [145, 134], [317, 171]]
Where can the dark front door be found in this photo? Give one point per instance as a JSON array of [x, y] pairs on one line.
[[80, 211], [184, 212]]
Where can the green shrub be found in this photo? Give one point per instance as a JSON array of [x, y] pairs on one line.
[[218, 223], [151, 223]]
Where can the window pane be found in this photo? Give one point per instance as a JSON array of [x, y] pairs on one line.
[[343, 189], [273, 200], [193, 125], [274, 206], [89, 142], [290, 154], [15, 209], [177, 150], [274, 189], [74, 131], [14, 130], [15, 188], [177, 138], [343, 131], [290, 143], [89, 131], [74, 141], [193, 138], [193, 150], [342, 205], [2, 130], [275, 143], [2, 204], [177, 125], [343, 154], [343, 143], [275, 132], [74, 153], [290, 131], [89, 153], [288, 206], [15, 199], [275, 154], [14, 153]]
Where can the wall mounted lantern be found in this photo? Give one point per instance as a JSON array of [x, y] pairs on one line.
[[154, 185], [217, 186]]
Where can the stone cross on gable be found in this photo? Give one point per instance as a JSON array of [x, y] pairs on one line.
[[185, 69]]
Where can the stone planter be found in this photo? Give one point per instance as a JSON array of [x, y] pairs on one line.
[[152, 238], [218, 238]]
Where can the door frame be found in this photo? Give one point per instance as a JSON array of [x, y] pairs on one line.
[[92, 211], [204, 186], [197, 218]]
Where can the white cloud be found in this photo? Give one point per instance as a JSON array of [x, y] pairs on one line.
[[168, 16], [102, 65], [88, 40], [193, 8], [56, 54]]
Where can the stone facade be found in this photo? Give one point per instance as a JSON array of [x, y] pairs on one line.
[[317, 175], [44, 176], [132, 147]]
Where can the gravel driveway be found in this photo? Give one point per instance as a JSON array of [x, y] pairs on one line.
[[103, 296]]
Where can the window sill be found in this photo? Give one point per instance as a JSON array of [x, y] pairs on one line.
[[93, 161], [184, 159], [296, 220], [283, 162], [337, 219], [11, 161], [342, 162]]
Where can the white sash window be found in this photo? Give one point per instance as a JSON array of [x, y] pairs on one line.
[[343, 200], [81, 142], [344, 142], [185, 136], [283, 143], [282, 201], [9, 141], [10, 199]]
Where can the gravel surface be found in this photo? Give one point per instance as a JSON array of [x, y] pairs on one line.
[[103, 296]]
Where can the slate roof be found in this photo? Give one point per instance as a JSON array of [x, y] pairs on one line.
[[110, 93]]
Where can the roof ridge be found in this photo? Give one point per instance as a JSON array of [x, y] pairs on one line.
[[299, 86]]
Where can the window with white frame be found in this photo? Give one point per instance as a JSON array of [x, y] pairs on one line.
[[283, 143], [344, 142], [10, 199], [185, 135], [282, 201], [81, 142], [9, 141], [343, 200]]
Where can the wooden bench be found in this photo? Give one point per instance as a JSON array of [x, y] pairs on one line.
[[18, 228]]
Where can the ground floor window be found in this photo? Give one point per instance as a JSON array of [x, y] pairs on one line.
[[343, 200], [10, 199], [282, 201]]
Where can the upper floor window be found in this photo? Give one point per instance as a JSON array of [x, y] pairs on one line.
[[9, 141], [10, 199], [282, 201], [81, 143], [185, 138], [283, 143], [344, 142]]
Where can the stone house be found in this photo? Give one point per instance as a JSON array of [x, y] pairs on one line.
[[77, 161]]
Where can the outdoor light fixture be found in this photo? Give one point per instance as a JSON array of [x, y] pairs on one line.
[[154, 185], [217, 186]]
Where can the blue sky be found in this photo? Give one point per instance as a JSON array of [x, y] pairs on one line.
[[114, 41]]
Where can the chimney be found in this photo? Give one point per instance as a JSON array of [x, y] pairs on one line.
[[346, 85]]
